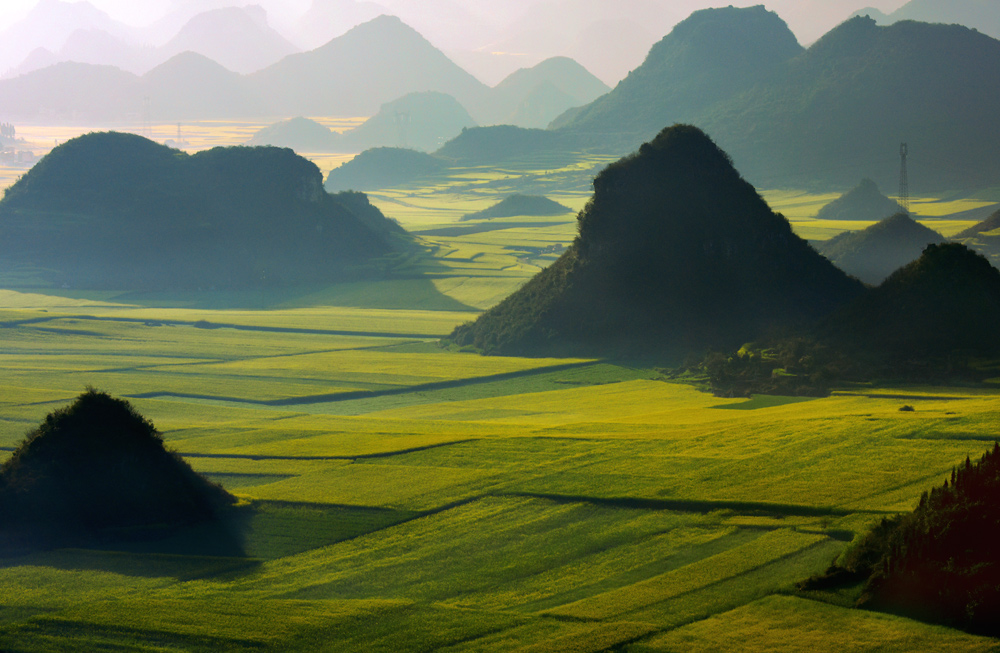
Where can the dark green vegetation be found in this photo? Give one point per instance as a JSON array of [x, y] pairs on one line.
[[520, 205], [117, 210], [98, 468], [300, 134], [383, 167], [934, 320], [947, 300], [676, 252], [938, 563], [874, 253], [863, 202], [793, 117], [423, 121]]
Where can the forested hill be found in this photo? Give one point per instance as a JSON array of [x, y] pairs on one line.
[[119, 211], [676, 252], [827, 115]]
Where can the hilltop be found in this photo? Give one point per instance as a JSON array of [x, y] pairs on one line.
[[382, 167], [763, 98], [421, 121], [675, 253], [300, 134], [533, 97], [111, 210], [863, 202], [99, 468], [874, 253], [356, 73], [946, 301], [520, 205], [710, 57]]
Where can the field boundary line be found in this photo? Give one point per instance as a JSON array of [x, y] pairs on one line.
[[350, 395]]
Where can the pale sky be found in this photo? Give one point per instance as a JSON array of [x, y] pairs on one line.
[[143, 12]]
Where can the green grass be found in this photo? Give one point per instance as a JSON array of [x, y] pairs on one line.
[[456, 502]]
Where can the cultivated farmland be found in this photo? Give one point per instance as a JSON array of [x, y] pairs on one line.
[[397, 495]]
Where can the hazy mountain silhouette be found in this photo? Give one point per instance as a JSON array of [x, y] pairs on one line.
[[491, 145], [422, 121], [983, 15], [71, 93], [874, 253], [98, 468], [110, 210], [863, 202], [192, 86], [675, 252], [946, 300], [48, 25], [300, 134], [989, 224], [936, 87], [533, 97], [383, 167], [710, 57], [328, 19], [354, 74], [824, 116], [520, 205], [238, 38]]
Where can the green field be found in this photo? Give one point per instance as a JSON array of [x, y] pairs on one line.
[[398, 496]]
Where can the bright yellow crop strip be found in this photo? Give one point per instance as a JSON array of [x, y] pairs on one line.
[[592, 638], [765, 549], [396, 486], [784, 624]]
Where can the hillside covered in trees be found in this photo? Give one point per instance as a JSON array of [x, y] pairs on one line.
[[675, 252], [112, 210], [938, 563], [97, 468]]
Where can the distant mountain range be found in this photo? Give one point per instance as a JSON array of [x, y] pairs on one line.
[[983, 15], [827, 115], [359, 73]]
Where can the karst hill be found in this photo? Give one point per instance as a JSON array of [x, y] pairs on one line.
[[872, 254], [948, 300], [112, 210], [675, 252], [97, 468]]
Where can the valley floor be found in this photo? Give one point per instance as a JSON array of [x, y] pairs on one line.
[[398, 496]]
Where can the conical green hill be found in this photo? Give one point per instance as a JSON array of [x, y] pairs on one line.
[[675, 252], [874, 253], [863, 202], [947, 300], [95, 465]]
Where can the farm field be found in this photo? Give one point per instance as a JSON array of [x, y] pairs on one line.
[[397, 495]]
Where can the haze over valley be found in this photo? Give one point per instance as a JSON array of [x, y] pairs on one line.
[[535, 325]]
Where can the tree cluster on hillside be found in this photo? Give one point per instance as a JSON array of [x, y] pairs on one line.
[[676, 252], [112, 210], [97, 468], [938, 563], [933, 320]]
